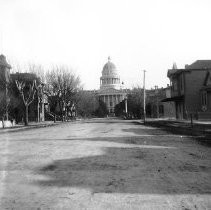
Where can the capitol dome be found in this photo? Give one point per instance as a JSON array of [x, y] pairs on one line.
[[109, 69], [111, 90], [110, 77]]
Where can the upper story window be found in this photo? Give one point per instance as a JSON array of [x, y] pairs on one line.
[[174, 85], [204, 98]]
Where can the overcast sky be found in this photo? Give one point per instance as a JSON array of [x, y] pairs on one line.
[[136, 34]]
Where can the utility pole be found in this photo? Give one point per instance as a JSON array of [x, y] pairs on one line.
[[157, 105], [126, 106], [144, 97], [7, 100]]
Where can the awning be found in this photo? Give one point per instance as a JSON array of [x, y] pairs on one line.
[[176, 98]]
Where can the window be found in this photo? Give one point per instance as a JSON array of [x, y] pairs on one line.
[[161, 109], [204, 98], [174, 85]]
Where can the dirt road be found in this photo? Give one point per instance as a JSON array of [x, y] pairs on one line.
[[103, 164]]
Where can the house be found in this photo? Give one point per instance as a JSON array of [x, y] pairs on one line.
[[191, 90], [154, 106]]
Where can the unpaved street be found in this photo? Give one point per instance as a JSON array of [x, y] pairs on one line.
[[103, 164]]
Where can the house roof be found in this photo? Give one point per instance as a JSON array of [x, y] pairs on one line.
[[199, 64], [173, 71], [26, 77]]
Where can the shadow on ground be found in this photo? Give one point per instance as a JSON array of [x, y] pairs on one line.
[[134, 169]]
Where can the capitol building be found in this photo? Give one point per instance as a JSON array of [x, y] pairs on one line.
[[111, 90]]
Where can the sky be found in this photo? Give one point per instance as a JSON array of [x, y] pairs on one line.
[[137, 34]]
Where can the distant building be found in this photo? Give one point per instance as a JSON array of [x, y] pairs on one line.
[[155, 108], [111, 89], [191, 90], [169, 107]]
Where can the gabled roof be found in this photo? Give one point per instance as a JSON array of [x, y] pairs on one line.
[[199, 64], [171, 72]]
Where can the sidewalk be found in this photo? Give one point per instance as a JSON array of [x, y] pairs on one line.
[[31, 125], [197, 128]]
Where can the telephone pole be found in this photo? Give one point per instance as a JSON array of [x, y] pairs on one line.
[[157, 105], [144, 97], [126, 106]]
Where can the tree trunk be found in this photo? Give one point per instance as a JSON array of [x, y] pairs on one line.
[[26, 115], [38, 110]]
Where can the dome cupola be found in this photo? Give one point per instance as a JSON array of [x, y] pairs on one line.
[[110, 77], [109, 69]]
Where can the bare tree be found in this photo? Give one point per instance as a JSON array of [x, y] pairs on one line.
[[61, 86], [27, 95], [38, 70], [87, 103]]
